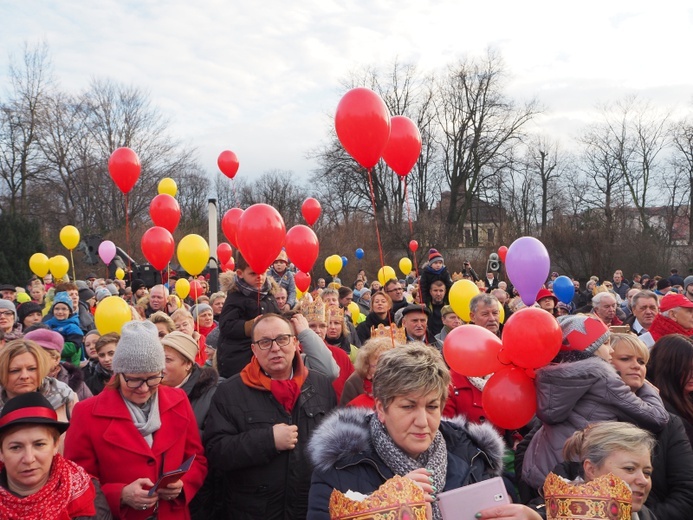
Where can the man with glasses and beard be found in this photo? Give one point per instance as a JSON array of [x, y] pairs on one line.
[[396, 293]]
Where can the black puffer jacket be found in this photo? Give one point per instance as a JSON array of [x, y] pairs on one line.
[[259, 481], [344, 457], [200, 388]]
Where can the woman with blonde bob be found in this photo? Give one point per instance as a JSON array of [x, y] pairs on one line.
[[356, 449], [618, 448], [358, 389]]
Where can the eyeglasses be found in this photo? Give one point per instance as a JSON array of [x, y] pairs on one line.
[[135, 382], [6, 314], [266, 343], [395, 290]]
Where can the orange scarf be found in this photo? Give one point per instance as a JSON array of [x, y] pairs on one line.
[[286, 392]]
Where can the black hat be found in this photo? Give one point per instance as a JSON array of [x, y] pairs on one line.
[[86, 294], [27, 308], [137, 284], [663, 284], [8, 287], [30, 408], [413, 307]]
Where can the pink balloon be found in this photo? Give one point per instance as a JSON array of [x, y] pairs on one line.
[[107, 251]]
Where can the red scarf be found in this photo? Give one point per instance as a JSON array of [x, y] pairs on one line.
[[68, 493], [286, 392], [663, 326]]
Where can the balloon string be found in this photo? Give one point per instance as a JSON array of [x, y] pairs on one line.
[[411, 230], [127, 235], [375, 215], [235, 195], [72, 261]]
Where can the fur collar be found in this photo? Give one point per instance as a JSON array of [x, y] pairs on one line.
[[227, 281], [593, 367], [345, 433]]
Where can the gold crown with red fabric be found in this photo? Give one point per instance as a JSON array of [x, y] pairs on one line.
[[314, 311], [334, 312], [606, 497], [398, 498], [398, 334]]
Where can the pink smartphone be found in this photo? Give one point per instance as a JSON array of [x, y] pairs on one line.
[[463, 503]]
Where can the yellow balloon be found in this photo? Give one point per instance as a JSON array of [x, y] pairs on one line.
[[38, 263], [355, 311], [461, 293], [193, 254], [405, 265], [299, 294], [119, 274], [69, 237], [168, 186], [333, 264], [58, 266], [501, 316], [182, 288], [111, 314], [386, 273]]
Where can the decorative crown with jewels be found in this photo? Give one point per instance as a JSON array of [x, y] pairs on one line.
[[606, 497]]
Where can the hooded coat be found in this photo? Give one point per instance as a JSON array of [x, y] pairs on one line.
[[572, 395], [344, 457]]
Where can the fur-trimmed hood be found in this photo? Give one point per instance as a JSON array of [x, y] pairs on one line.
[[227, 281], [345, 433]]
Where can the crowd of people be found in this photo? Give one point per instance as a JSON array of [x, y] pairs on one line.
[[257, 401]]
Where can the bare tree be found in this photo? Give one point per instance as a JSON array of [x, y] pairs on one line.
[[683, 163]]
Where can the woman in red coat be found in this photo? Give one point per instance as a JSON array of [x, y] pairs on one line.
[[136, 430]]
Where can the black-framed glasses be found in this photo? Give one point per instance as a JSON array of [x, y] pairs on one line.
[[282, 340], [6, 314], [135, 382]]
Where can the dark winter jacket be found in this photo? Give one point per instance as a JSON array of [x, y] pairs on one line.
[[344, 457], [74, 378], [235, 322], [200, 388], [259, 481], [364, 328], [428, 276], [572, 395]]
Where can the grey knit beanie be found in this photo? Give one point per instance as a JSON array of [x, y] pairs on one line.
[[199, 309], [8, 306], [139, 350], [687, 281], [212, 339]]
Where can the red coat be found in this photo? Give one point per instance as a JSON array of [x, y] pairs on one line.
[[102, 438], [465, 399]]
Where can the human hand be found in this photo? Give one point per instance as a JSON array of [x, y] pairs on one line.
[[172, 491], [299, 322], [285, 436], [509, 512], [422, 478], [136, 494]]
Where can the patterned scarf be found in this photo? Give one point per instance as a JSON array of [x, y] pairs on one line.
[[248, 290], [663, 326], [286, 392], [68, 493], [435, 458]]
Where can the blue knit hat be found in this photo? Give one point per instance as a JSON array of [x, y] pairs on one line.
[[63, 297]]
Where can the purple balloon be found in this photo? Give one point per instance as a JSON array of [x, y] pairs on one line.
[[107, 251], [527, 264]]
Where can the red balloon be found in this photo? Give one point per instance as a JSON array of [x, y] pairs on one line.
[[404, 146], [311, 210], [224, 253], [229, 266], [302, 280], [531, 338], [472, 350], [509, 398], [260, 236], [157, 246], [165, 212], [229, 224], [196, 290], [362, 122], [228, 163], [413, 245], [502, 251], [124, 168], [302, 247]]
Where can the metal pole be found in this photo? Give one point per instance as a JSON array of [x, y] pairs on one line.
[[213, 262]]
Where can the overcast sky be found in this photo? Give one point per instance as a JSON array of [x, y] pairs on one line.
[[260, 78]]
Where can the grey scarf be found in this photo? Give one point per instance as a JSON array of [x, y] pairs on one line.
[[435, 458], [146, 417]]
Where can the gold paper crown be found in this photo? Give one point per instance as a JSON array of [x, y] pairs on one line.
[[399, 497], [335, 312], [313, 311], [457, 276], [606, 497], [393, 332]]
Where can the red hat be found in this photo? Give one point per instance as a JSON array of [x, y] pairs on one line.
[[673, 300], [545, 293], [582, 332], [434, 255]]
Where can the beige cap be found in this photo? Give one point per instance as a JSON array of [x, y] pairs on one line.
[[181, 342]]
